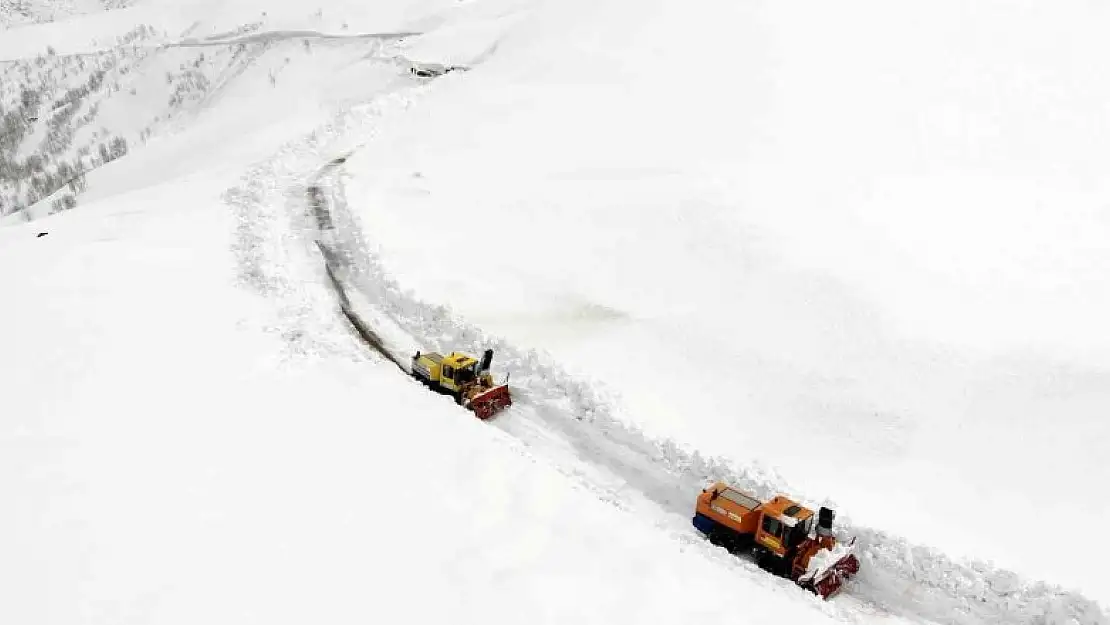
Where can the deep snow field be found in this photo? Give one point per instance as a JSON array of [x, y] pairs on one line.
[[854, 253]]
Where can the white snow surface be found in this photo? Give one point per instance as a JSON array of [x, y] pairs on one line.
[[800, 248]]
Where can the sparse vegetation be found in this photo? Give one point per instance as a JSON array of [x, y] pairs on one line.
[[29, 108], [191, 84], [46, 104], [51, 105], [19, 12]]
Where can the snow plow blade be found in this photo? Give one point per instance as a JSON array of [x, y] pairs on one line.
[[829, 580], [488, 403]]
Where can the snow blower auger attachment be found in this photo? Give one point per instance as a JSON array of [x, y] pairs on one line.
[[780, 535], [826, 564], [464, 378]]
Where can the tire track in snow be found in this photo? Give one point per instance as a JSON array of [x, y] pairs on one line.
[[264, 37], [909, 581], [365, 332], [281, 35]]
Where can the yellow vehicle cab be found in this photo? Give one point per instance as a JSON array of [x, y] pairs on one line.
[[465, 378]]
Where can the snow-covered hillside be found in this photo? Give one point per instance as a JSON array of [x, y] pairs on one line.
[[177, 450], [850, 254], [861, 243]]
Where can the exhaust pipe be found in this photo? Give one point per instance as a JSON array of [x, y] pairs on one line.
[[825, 521], [487, 360]]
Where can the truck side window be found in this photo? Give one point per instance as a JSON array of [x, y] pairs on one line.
[[772, 526], [448, 372]]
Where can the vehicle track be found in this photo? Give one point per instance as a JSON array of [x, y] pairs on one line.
[[264, 37]]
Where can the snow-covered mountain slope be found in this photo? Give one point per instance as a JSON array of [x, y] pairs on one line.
[[293, 473], [78, 94], [173, 454], [861, 243]]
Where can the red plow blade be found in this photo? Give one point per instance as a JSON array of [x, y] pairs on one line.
[[832, 579], [490, 402], [827, 575]]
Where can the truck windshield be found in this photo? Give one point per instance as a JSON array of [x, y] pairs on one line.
[[466, 374], [795, 535]]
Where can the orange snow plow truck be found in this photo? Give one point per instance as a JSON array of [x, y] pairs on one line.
[[465, 379], [780, 535]]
